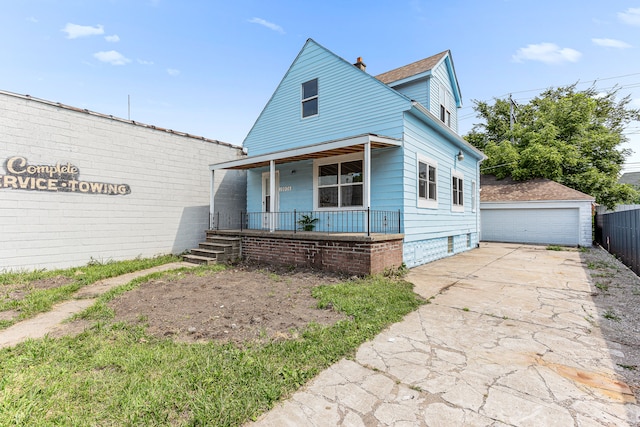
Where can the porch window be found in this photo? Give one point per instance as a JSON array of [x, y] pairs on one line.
[[457, 193], [310, 98], [427, 183], [340, 184]]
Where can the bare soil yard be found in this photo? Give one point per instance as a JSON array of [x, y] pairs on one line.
[[239, 304]]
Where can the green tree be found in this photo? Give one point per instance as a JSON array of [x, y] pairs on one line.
[[570, 136]]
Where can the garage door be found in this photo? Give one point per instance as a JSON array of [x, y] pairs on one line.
[[541, 226]]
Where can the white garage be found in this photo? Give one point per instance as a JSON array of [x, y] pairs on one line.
[[538, 211]]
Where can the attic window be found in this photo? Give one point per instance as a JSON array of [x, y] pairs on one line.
[[445, 104], [310, 98]]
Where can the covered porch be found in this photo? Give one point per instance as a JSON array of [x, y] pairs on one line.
[[315, 208], [332, 198]]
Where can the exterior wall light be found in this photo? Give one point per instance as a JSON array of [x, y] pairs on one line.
[[460, 156]]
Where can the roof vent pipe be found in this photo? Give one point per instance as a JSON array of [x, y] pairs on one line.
[[360, 64]]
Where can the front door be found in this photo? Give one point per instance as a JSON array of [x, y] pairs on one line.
[[267, 215]]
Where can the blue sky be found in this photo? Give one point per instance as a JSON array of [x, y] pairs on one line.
[[209, 67]]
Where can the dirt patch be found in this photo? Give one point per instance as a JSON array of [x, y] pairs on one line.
[[13, 292], [240, 304]]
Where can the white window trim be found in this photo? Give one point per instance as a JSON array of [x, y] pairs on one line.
[[426, 203], [303, 99], [474, 196], [454, 207], [338, 159], [445, 100]]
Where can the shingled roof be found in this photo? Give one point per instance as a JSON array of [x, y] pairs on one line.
[[412, 69], [539, 189], [632, 178]]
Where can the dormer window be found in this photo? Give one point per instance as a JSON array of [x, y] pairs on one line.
[[445, 103], [310, 98]]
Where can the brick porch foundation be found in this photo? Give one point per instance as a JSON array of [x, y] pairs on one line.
[[345, 253]]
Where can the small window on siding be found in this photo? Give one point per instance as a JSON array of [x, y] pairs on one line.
[[427, 183], [457, 192], [450, 244], [310, 98], [445, 105]]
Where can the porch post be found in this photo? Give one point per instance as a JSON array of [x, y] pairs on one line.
[[272, 192], [211, 198], [367, 180]]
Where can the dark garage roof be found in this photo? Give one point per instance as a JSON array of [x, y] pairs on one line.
[[539, 189]]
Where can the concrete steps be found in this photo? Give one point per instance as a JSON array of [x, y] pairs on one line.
[[214, 249]]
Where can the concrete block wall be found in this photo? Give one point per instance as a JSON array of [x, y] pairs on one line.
[[166, 211]]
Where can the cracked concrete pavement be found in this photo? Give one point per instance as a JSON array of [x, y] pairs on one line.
[[509, 338]]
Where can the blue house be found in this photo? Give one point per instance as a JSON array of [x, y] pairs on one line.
[[340, 159]]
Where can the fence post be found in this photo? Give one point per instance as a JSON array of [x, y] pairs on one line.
[[368, 221], [399, 222], [294, 222]]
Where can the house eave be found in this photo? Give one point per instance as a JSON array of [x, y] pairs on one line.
[[324, 149], [457, 140], [421, 76]]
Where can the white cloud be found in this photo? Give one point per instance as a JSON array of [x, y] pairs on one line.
[[269, 25], [75, 31], [32, 19], [611, 43], [631, 16], [173, 71], [143, 62], [113, 39], [111, 57], [549, 53]]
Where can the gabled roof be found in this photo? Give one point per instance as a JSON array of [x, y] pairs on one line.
[[539, 189], [412, 69], [423, 68]]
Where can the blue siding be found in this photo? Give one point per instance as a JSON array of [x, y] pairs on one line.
[[349, 104], [423, 223], [417, 90], [352, 102], [442, 77]]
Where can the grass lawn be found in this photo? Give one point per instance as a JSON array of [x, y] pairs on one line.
[[116, 374], [40, 300]]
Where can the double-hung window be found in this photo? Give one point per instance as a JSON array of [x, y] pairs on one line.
[[457, 192], [310, 98], [340, 184], [445, 105], [427, 183]]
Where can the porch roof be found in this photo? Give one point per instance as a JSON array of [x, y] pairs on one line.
[[336, 147]]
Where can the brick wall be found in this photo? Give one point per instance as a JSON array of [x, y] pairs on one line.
[[166, 211], [358, 257]]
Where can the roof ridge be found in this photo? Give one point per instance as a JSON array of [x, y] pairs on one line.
[[412, 68]]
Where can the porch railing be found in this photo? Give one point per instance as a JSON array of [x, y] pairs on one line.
[[364, 221]]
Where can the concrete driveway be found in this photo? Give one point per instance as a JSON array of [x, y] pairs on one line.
[[509, 338]]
